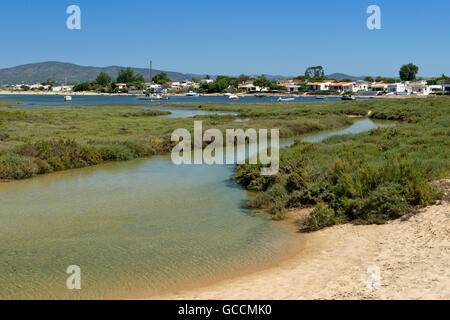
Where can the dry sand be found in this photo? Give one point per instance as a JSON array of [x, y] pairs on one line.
[[412, 254]]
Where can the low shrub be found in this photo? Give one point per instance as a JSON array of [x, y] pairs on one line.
[[116, 152], [14, 166], [322, 217]]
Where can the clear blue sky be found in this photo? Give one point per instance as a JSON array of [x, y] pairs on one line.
[[231, 37]]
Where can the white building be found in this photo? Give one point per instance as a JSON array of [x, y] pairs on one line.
[[395, 88], [446, 86], [320, 86], [207, 81], [420, 88], [378, 87], [151, 86], [292, 87], [120, 85], [362, 85], [344, 87]]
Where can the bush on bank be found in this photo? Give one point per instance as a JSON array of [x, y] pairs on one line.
[[367, 178]]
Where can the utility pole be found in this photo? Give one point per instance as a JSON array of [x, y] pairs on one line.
[[151, 71]]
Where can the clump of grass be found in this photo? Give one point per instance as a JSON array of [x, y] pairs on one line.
[[13, 166], [322, 217]]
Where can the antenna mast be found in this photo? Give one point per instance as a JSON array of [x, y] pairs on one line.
[[151, 71]]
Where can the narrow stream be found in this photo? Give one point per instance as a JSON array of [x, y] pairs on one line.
[[135, 228]]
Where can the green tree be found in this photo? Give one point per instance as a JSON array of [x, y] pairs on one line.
[[408, 72], [103, 79], [194, 79], [315, 72], [161, 78], [262, 81], [243, 78], [126, 76], [84, 86], [368, 79]]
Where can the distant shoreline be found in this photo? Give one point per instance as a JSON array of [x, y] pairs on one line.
[[90, 93]]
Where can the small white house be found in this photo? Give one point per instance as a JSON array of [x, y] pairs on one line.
[[319, 86], [395, 88], [292, 87], [120, 85], [344, 86], [420, 88], [151, 86], [207, 81], [361, 85], [446, 86], [378, 87]]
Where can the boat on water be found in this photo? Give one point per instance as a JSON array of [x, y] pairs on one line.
[[280, 99], [152, 97], [67, 98], [320, 97], [260, 95], [192, 94], [233, 97], [348, 97]]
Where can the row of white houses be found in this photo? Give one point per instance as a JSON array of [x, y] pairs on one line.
[[400, 88]]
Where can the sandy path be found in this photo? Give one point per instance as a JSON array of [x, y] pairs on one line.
[[413, 257]]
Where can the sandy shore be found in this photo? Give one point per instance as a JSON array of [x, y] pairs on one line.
[[412, 255]]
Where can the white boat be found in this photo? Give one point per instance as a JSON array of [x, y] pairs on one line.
[[152, 97], [192, 94], [67, 98], [348, 97], [320, 97], [280, 99], [233, 97]]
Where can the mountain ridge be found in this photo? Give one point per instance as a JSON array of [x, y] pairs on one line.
[[58, 71]]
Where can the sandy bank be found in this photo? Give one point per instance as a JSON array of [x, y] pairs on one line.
[[412, 255]]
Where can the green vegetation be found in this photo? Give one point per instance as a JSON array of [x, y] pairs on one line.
[[366, 178], [161, 78], [408, 72], [40, 140], [105, 83]]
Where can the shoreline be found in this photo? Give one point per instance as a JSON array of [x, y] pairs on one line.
[[412, 254], [90, 93]]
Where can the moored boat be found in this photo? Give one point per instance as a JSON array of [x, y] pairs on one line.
[[233, 97], [67, 98], [152, 97], [348, 97], [280, 99]]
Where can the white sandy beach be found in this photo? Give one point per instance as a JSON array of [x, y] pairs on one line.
[[413, 256]]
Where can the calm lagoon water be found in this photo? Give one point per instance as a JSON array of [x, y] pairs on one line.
[[58, 100], [135, 228]]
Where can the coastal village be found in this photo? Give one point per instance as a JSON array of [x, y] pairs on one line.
[[313, 83]]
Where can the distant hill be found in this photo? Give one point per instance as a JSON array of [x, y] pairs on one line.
[[340, 76], [40, 72]]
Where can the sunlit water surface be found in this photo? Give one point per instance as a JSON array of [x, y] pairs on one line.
[[135, 228]]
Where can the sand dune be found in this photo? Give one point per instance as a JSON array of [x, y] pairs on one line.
[[412, 255]]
